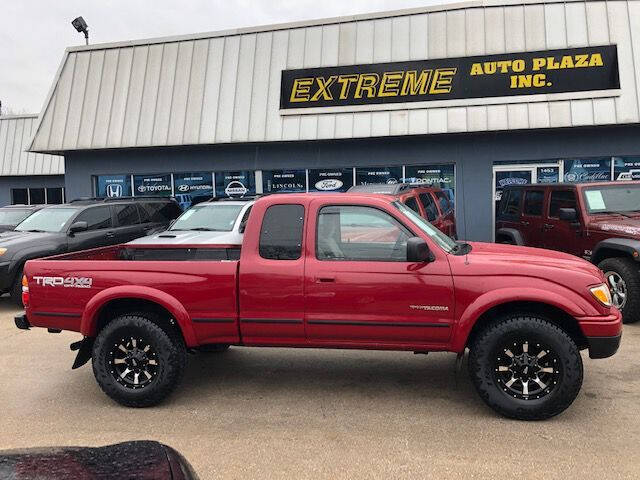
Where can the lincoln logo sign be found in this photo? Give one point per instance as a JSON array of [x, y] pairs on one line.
[[528, 73]]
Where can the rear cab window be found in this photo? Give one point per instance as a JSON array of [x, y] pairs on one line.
[[429, 206], [445, 206], [412, 203], [281, 232]]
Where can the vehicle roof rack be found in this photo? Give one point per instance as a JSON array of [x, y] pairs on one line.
[[116, 199], [384, 188]]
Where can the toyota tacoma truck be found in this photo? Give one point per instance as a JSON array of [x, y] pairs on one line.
[[597, 221], [352, 271]]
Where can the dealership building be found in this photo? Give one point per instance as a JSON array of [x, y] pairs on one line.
[[469, 96], [27, 178]]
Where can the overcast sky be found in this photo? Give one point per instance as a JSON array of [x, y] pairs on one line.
[[34, 33]]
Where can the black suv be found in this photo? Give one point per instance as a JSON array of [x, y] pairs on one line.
[[79, 225], [12, 215]]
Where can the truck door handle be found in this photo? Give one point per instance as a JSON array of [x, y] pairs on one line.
[[548, 226], [110, 234], [524, 222], [325, 279]]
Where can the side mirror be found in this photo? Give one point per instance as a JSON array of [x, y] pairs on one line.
[[78, 227], [568, 214], [418, 251]]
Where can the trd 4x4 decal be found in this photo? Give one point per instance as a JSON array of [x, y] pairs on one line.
[[67, 282]]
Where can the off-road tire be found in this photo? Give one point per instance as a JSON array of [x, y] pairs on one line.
[[16, 290], [629, 270], [171, 358], [482, 365]]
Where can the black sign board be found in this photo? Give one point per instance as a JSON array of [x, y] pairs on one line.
[[153, 185], [284, 181], [508, 74], [236, 184], [330, 180], [365, 176]]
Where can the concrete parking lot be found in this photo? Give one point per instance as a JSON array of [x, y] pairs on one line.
[[273, 413]]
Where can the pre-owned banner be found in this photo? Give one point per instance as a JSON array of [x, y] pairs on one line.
[[236, 184], [154, 185], [284, 181], [365, 176], [508, 74], [330, 179]]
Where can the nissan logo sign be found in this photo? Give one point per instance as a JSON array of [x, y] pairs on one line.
[[236, 189]]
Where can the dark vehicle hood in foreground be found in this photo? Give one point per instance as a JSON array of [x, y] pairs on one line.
[[23, 239], [142, 460], [617, 225]]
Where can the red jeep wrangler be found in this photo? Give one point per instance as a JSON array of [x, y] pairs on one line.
[[427, 201], [311, 274], [597, 221]]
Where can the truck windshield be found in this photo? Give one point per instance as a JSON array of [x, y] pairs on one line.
[[447, 244], [50, 220], [612, 199], [13, 216], [208, 218]]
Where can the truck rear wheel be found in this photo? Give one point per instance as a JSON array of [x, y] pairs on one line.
[[136, 362], [623, 277], [526, 368]]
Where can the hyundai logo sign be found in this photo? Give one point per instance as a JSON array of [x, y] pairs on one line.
[[114, 190]]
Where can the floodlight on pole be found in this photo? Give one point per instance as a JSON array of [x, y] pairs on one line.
[[81, 26]]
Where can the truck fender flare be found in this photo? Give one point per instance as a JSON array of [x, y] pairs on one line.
[[502, 296], [628, 247], [511, 233], [88, 324]]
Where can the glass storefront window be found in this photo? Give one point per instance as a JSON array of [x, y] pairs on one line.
[[19, 196], [284, 181], [155, 185], [55, 196], [626, 168], [192, 188], [239, 183], [548, 174], [113, 185], [442, 175], [365, 176], [585, 170], [330, 179]]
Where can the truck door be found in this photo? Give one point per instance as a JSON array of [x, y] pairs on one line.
[[99, 231], [559, 234], [271, 277], [360, 288]]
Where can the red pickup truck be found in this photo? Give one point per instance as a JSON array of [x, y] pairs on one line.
[[313, 273]]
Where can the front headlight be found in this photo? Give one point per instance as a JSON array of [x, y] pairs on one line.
[[3, 251], [602, 294]]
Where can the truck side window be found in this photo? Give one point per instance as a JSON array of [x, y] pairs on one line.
[[412, 203], [96, 218], [533, 202], [511, 200], [429, 206], [561, 199], [360, 234], [281, 232], [126, 214]]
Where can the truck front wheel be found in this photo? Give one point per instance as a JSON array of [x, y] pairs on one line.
[[526, 368], [136, 362], [623, 277]]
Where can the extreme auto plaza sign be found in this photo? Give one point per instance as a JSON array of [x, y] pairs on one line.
[[526, 73]]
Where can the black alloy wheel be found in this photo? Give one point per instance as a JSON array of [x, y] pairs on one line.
[[134, 363]]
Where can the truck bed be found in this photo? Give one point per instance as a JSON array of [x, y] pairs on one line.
[[64, 286]]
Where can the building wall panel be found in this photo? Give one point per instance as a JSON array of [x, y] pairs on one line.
[[226, 88]]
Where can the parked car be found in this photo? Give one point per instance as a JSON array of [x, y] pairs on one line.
[[128, 460], [429, 202], [597, 221], [78, 225], [12, 215], [216, 222], [305, 280]]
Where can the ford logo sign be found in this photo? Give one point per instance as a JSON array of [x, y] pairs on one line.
[[329, 184]]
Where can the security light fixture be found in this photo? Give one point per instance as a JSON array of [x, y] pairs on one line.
[[81, 26]]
